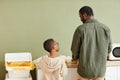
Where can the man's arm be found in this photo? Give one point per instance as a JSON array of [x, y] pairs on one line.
[[110, 43], [75, 47]]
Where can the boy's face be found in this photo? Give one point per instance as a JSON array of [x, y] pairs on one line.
[[56, 46]]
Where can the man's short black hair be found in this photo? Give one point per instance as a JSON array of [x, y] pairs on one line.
[[86, 9], [48, 45]]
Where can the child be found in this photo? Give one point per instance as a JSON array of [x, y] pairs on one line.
[[53, 67]]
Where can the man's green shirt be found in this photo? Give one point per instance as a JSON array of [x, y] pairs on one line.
[[91, 45]]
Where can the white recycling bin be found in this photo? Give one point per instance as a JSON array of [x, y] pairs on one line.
[[18, 78], [18, 66]]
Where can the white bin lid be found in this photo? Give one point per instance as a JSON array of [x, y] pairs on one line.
[[23, 56]]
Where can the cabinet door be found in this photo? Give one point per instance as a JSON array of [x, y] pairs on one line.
[[113, 73], [39, 74], [72, 74]]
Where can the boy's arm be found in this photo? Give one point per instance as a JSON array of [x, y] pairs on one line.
[[37, 63]]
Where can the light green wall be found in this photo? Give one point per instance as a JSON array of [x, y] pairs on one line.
[[25, 24]]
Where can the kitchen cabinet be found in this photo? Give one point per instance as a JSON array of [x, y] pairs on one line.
[[72, 74], [112, 71]]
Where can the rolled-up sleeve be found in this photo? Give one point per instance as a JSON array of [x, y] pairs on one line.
[[75, 47], [110, 43]]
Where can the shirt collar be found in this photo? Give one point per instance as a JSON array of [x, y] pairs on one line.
[[90, 20]]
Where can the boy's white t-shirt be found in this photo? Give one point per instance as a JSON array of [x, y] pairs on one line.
[[52, 68]]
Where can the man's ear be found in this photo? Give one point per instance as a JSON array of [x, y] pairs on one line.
[[84, 15]]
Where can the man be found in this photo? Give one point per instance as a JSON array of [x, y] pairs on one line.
[[90, 46]]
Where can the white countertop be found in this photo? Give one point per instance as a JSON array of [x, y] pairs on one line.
[[109, 64]]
